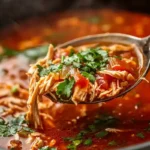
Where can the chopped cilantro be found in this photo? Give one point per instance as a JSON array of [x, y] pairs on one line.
[[89, 76], [18, 121], [147, 129], [35, 53], [2, 121], [97, 128], [88, 142], [74, 144], [31, 54], [101, 134], [83, 132], [47, 148], [118, 57], [52, 68], [92, 127], [13, 126], [140, 135], [14, 89], [64, 89], [68, 139], [88, 62], [71, 52], [112, 143], [7, 52], [77, 142]]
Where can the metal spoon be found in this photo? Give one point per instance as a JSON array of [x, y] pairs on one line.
[[142, 50]]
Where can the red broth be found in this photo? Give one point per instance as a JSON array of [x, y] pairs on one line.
[[132, 111]]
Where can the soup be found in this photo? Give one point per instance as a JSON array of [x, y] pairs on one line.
[[118, 123]]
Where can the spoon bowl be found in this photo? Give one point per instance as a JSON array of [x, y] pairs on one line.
[[142, 49]]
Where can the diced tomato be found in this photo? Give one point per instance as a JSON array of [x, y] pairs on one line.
[[104, 81], [81, 80]]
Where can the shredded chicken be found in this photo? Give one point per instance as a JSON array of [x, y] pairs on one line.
[[114, 130], [121, 75], [79, 94], [117, 48], [47, 85]]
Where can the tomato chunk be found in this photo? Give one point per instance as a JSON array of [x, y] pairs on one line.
[[104, 81], [81, 80]]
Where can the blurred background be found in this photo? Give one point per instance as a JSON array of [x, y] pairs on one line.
[[12, 10]]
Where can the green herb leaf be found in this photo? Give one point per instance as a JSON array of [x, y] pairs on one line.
[[112, 143], [13, 126], [31, 54], [88, 142], [77, 142], [47, 148], [18, 121], [92, 127], [140, 135], [46, 71], [14, 89], [2, 121], [71, 52], [81, 134], [68, 139], [99, 124], [118, 57], [74, 144], [7, 52], [147, 129], [89, 76], [101, 134], [89, 60], [35, 53], [64, 89]]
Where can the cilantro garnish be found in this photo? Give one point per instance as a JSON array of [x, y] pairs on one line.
[[112, 143], [64, 89], [7, 52], [71, 52], [88, 142], [47, 148], [118, 57], [92, 127], [14, 89], [88, 62], [101, 134], [31, 54], [35, 53], [89, 76], [52, 68], [13, 126], [147, 129], [96, 128], [140, 135]]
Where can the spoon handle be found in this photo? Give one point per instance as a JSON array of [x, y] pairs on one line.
[[146, 45], [146, 48], [145, 39]]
